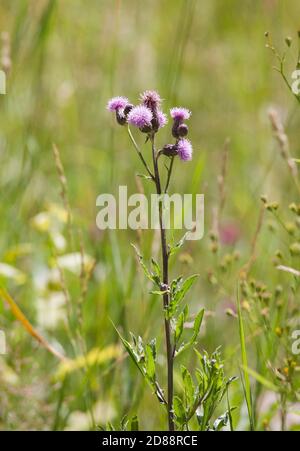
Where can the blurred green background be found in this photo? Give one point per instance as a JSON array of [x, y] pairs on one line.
[[66, 59]]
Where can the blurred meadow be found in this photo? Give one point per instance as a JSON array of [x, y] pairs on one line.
[[63, 61]]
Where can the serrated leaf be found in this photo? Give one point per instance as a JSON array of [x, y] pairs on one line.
[[156, 267], [177, 293], [153, 277], [196, 329], [141, 261], [130, 350], [187, 284], [178, 245]]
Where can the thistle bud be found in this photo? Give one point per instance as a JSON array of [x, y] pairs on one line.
[[121, 118], [182, 130], [170, 150], [146, 129], [128, 108]]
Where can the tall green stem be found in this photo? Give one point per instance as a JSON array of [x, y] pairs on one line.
[[165, 261]]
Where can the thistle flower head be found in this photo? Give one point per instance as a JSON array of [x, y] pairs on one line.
[[185, 149], [140, 116], [180, 114], [162, 119], [151, 99], [117, 103]]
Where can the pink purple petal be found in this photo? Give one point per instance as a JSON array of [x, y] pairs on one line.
[[180, 114], [140, 116], [185, 149], [162, 119], [117, 103]]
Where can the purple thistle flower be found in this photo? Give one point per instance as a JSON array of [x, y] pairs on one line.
[[140, 116], [180, 114], [151, 99], [162, 119], [185, 149], [117, 103]]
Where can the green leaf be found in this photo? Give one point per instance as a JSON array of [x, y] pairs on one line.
[[178, 245], [130, 350], [189, 388], [124, 423], [134, 425], [179, 410], [197, 325], [144, 176], [178, 293], [187, 284], [153, 276], [246, 381], [262, 380], [156, 267], [179, 327], [141, 261], [150, 362], [196, 329], [222, 420]]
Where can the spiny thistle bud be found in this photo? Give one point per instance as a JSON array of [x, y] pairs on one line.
[[152, 100], [170, 150], [118, 105], [179, 115], [182, 130], [128, 108], [146, 129], [121, 118]]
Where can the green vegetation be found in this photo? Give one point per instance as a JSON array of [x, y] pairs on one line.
[[65, 284]]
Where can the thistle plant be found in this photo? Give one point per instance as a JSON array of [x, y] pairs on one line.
[[203, 393]]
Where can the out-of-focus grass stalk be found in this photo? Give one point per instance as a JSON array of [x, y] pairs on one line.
[[246, 380]]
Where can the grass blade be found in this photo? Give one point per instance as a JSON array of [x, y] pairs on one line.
[[246, 380], [17, 312]]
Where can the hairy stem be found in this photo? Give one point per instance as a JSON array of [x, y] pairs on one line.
[[165, 261]]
